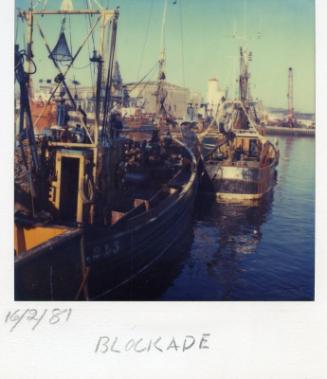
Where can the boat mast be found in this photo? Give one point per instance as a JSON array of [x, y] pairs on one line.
[[106, 17], [24, 71], [161, 93], [107, 105], [244, 62], [245, 58], [99, 59], [29, 53], [162, 42]]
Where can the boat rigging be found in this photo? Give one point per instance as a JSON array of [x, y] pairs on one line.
[[105, 207]]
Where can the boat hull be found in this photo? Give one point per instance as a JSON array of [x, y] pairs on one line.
[[236, 184], [96, 263], [52, 271], [116, 261]]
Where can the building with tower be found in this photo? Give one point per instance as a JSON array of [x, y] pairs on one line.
[[215, 94]]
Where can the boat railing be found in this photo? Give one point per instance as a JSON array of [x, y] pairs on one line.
[[157, 197], [162, 199], [59, 236], [143, 211], [180, 178], [152, 213], [141, 208], [219, 143]]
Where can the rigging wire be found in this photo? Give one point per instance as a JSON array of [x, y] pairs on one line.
[[182, 44], [45, 4], [161, 92], [17, 26], [146, 39], [143, 88], [92, 71], [88, 5], [144, 77], [82, 67], [70, 35], [107, 100], [182, 40], [71, 51], [140, 81], [23, 34], [68, 68], [108, 42], [162, 59], [36, 5], [163, 32], [98, 4]]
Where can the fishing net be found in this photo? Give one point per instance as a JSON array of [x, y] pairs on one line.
[[61, 52]]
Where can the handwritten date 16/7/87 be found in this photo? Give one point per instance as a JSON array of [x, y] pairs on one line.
[[34, 317]]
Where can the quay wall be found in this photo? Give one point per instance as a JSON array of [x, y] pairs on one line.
[[279, 131]]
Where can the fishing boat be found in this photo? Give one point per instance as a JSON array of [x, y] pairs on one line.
[[94, 209], [240, 162]]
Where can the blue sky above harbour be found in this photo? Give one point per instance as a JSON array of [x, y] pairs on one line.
[[286, 26]]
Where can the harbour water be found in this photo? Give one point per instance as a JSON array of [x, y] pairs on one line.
[[256, 253]]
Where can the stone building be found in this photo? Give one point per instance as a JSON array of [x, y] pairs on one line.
[[144, 95]]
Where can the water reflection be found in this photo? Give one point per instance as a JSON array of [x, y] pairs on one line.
[[239, 235], [285, 155], [289, 141], [256, 252], [209, 264], [239, 225], [159, 276]]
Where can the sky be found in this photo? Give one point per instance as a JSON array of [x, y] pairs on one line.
[[200, 45]]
